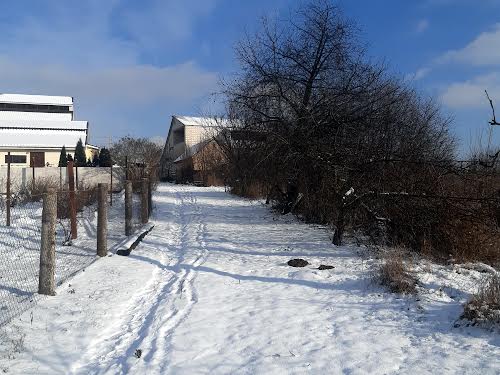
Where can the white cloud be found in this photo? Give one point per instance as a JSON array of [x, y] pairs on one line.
[[483, 50], [421, 73], [470, 94], [73, 49], [162, 22], [422, 26]]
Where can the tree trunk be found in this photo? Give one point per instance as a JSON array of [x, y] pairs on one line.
[[339, 229]]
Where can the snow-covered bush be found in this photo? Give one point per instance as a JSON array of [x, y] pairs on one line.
[[484, 307]]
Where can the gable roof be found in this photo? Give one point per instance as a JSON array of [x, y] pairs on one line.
[[201, 121]]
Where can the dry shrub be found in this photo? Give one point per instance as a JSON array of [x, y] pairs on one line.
[[83, 198], [86, 197], [253, 189], [438, 229], [484, 307], [33, 192], [394, 275]]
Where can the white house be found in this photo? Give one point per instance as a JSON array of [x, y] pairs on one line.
[[34, 128], [185, 135]]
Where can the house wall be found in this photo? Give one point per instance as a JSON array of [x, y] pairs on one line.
[[193, 135], [197, 134], [90, 152], [51, 156], [87, 176]]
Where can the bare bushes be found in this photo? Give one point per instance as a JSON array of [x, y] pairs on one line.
[[395, 275], [484, 307], [33, 192], [362, 148], [84, 198]]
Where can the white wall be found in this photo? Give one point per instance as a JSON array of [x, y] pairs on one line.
[[87, 176]]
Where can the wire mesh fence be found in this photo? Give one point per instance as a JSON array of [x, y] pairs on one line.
[[75, 245]]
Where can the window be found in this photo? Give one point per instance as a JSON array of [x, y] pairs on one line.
[[34, 108], [178, 136], [16, 159]]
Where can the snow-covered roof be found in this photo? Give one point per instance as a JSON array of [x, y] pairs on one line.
[[191, 151], [36, 99], [42, 134], [201, 121], [16, 115]]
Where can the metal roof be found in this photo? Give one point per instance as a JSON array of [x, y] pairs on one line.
[[201, 121], [43, 124], [36, 99], [42, 134]]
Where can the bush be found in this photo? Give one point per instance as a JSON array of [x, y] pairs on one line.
[[395, 276], [33, 192], [484, 307]]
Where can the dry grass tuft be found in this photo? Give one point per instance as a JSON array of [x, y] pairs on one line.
[[395, 275], [484, 307]]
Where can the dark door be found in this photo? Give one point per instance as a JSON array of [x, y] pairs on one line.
[[37, 159]]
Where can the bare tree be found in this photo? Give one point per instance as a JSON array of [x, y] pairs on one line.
[[335, 125]]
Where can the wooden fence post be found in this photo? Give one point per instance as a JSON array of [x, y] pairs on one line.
[[72, 200], [128, 208], [150, 196], [9, 198], [111, 187], [126, 168], [46, 281], [144, 201], [33, 176], [76, 178], [102, 220]]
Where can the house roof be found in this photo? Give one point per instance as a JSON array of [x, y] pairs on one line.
[[43, 124], [42, 134], [44, 116], [191, 151], [201, 121], [36, 99]]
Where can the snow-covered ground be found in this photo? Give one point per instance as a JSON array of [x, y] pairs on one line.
[[20, 250], [208, 291]]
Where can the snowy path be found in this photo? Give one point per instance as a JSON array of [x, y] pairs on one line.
[[208, 291]]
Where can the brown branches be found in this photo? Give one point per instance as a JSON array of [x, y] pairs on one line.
[[493, 121]]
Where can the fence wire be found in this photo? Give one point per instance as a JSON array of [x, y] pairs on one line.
[[20, 242]]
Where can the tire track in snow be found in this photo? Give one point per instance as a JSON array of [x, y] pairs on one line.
[[152, 324], [163, 339], [104, 353]]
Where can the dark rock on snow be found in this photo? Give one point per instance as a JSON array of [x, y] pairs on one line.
[[298, 262], [325, 267]]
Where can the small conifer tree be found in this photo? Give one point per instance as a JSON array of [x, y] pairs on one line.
[[80, 158], [105, 158], [63, 157]]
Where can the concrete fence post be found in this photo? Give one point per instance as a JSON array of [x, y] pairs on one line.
[[144, 201], [46, 282], [102, 220], [111, 185], [72, 200], [128, 208], [8, 203]]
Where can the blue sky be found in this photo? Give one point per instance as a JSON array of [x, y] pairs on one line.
[[131, 64]]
